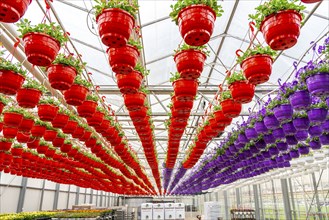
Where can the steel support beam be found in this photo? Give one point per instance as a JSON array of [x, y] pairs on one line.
[[238, 198], [274, 200], [55, 204], [292, 198], [21, 197], [42, 194], [77, 195], [316, 194], [91, 196], [226, 208], [68, 197], [286, 201], [256, 199]]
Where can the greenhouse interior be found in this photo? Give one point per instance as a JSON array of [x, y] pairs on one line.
[[164, 109]]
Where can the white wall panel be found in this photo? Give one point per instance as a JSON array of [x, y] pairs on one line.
[[62, 199], [32, 200], [9, 199], [48, 200]]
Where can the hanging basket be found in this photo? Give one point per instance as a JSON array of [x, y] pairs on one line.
[[189, 63], [38, 130], [134, 102], [47, 112], [11, 11], [318, 84], [87, 109], [60, 76], [257, 69], [12, 119], [76, 94], [22, 137], [129, 83], [50, 135], [5, 146], [185, 90], [196, 24], [70, 127], [242, 92], [96, 119], [28, 97], [115, 26], [9, 132], [10, 82], [58, 141], [40, 49], [123, 59], [281, 30], [60, 120], [26, 125], [231, 108]]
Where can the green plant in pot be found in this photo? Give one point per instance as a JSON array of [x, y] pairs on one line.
[[279, 21], [42, 42], [30, 93]]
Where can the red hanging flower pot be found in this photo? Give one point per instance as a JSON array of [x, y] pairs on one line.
[[50, 135], [33, 143], [10, 82], [129, 83], [189, 63], [58, 141], [139, 115], [65, 148], [38, 130], [115, 26], [42, 149], [16, 152], [96, 119], [91, 142], [50, 152], [179, 105], [231, 108], [40, 49], [47, 112], [5, 145], [23, 137], [85, 136], [123, 59], [60, 76], [79, 132], [12, 11], [70, 127], [185, 90], [60, 120], [196, 24], [242, 91], [26, 125], [28, 97], [221, 119], [87, 109], [76, 94], [12, 119], [281, 30], [134, 102], [257, 69]]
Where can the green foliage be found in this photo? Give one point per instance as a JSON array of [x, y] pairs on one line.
[[275, 102], [51, 29], [33, 84], [292, 89], [49, 100], [174, 76], [28, 115], [321, 68], [39, 122], [301, 114], [181, 4], [79, 81], [236, 77], [258, 49], [3, 99], [217, 108], [69, 60], [92, 97], [274, 6], [319, 105], [17, 146], [203, 49], [14, 109], [135, 43], [130, 6], [140, 68], [8, 65], [2, 139], [225, 95], [144, 90], [67, 142]]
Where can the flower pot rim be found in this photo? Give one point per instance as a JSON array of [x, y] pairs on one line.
[[256, 56], [115, 9], [127, 45], [132, 72], [33, 89], [241, 82], [187, 51], [42, 34], [197, 6], [52, 105], [62, 65], [315, 74], [13, 72], [277, 13], [182, 79]]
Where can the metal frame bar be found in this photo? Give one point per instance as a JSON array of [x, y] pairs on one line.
[[285, 195], [22, 193], [55, 204]]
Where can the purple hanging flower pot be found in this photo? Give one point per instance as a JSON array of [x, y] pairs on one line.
[[279, 159], [260, 158], [266, 154], [300, 100], [315, 145], [325, 126], [271, 122], [278, 133], [286, 164], [324, 139], [317, 115], [315, 130], [247, 153], [273, 151], [282, 146], [303, 150], [260, 127], [291, 140], [301, 135], [318, 84], [289, 128], [283, 112], [239, 146], [253, 150], [301, 123], [269, 139], [294, 153], [260, 144], [251, 133], [232, 149], [242, 138], [287, 157]]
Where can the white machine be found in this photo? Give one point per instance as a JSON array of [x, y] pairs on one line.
[[179, 211], [211, 210], [158, 211], [169, 211], [147, 211]]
